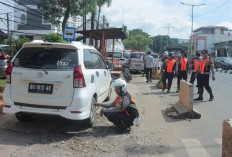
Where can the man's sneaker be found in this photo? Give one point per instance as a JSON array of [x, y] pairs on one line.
[[177, 91], [163, 89], [211, 98], [168, 91], [147, 81], [150, 80], [198, 99]]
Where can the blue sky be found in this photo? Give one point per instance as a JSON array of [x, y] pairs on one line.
[[153, 15]]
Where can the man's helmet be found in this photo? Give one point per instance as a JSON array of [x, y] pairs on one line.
[[166, 53], [170, 54], [119, 83]]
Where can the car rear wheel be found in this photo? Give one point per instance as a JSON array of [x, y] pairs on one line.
[[90, 121], [22, 117]]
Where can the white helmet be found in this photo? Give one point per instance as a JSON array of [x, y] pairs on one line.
[[166, 53], [119, 83]]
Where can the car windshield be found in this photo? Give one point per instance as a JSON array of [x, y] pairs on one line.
[[228, 60], [137, 55], [116, 54], [126, 55], [49, 58], [5, 50]]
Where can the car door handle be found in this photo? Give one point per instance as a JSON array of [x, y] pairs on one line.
[[92, 78], [97, 73]]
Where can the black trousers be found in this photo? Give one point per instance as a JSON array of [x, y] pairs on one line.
[[149, 74], [181, 75], [119, 117], [203, 81], [192, 79], [168, 76]]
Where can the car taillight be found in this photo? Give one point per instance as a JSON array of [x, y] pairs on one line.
[[78, 78], [8, 72]]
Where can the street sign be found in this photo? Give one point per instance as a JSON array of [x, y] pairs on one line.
[[69, 33]]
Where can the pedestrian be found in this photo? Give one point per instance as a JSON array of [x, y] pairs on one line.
[[168, 66], [165, 56], [149, 66], [181, 69], [144, 70], [203, 75], [194, 67], [122, 112]]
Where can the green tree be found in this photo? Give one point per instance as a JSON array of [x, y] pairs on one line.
[[138, 31], [100, 4], [55, 10], [54, 37], [138, 42]]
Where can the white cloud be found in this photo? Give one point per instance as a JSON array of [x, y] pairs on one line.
[[153, 15]]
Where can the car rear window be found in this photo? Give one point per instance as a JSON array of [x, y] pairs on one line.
[[116, 54], [137, 55], [49, 58]]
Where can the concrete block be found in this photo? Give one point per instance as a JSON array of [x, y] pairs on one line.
[[227, 138], [186, 95]]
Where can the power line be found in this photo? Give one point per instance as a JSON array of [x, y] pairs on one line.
[[213, 9], [23, 32]]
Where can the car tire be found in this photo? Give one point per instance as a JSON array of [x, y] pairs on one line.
[[23, 117], [109, 95], [90, 121]]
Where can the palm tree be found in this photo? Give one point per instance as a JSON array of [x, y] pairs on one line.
[[100, 4]]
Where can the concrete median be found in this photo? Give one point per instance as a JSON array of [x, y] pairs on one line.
[[184, 108], [227, 138]]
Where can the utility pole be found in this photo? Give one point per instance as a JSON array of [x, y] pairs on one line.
[[191, 38], [168, 28], [8, 28]]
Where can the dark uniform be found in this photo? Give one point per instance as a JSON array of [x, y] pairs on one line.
[[203, 75], [194, 67], [168, 65], [182, 69], [122, 111]]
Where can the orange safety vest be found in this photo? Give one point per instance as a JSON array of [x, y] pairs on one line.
[[196, 64], [170, 64], [117, 103], [183, 64], [204, 66]]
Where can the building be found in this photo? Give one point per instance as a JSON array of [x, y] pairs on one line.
[[206, 37], [29, 22]]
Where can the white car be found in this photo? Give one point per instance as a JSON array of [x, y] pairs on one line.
[[136, 62], [56, 79], [156, 60], [120, 57]]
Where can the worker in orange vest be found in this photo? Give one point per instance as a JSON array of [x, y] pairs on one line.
[[122, 112], [181, 69], [168, 66], [203, 74], [194, 67]]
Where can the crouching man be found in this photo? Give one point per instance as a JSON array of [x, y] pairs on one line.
[[122, 112]]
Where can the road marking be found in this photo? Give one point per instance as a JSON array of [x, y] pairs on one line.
[[218, 140], [195, 148]]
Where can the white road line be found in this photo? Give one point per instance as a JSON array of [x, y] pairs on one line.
[[218, 140], [195, 148]]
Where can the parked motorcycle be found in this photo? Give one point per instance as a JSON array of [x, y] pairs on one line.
[[126, 73]]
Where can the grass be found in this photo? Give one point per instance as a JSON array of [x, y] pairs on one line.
[[2, 82]]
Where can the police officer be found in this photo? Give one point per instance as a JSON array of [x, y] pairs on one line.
[[203, 75], [122, 112], [194, 67], [181, 69], [168, 66]]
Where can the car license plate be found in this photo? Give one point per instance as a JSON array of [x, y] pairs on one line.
[[40, 88], [138, 65]]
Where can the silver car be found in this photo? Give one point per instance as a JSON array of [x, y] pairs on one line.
[[4, 59]]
